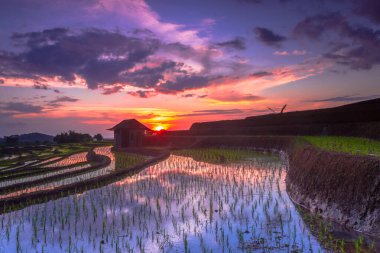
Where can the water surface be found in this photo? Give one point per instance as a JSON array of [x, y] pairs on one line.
[[178, 205]]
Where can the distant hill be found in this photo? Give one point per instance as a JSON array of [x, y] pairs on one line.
[[357, 119], [33, 137]]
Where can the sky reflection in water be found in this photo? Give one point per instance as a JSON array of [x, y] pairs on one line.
[[178, 205]]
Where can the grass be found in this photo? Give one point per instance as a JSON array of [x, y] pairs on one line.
[[218, 155], [124, 160], [351, 145]]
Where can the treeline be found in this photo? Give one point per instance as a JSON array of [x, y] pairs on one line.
[[38, 139], [74, 137], [26, 139]]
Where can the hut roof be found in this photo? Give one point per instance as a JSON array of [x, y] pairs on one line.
[[130, 124]]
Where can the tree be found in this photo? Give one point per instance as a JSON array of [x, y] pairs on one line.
[[72, 137], [98, 137], [11, 140]]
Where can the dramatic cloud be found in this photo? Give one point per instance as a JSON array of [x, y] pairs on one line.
[[212, 112], [142, 93], [348, 98], [146, 51], [148, 77], [60, 100], [314, 27], [20, 107], [191, 95], [268, 37], [142, 15], [40, 86], [355, 46], [236, 97], [287, 53], [185, 82], [112, 61], [188, 95], [238, 44], [370, 9], [260, 74], [108, 90], [98, 56]]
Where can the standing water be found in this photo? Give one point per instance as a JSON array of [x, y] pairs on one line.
[[178, 205]]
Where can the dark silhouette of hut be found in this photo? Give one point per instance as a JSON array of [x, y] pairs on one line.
[[129, 133]]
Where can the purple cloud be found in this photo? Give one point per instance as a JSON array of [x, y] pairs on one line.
[[238, 44], [357, 45], [21, 107], [268, 37]]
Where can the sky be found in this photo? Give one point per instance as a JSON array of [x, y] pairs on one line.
[[85, 65]]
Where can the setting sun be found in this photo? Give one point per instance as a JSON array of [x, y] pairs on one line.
[[159, 128], [135, 123]]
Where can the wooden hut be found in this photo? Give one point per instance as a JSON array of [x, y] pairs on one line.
[[129, 133]]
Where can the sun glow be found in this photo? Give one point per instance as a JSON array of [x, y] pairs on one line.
[[159, 128]]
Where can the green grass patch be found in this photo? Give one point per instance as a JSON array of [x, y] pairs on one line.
[[124, 160], [222, 155], [351, 145]]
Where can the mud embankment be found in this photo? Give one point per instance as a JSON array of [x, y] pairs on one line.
[[341, 187]]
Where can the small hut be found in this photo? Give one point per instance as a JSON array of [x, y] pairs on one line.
[[129, 134]]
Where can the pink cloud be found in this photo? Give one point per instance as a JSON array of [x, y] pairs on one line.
[[140, 13], [255, 83], [281, 53], [235, 97], [208, 22], [287, 53]]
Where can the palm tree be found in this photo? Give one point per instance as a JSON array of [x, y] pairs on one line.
[[283, 108]]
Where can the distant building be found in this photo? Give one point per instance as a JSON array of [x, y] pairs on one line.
[[129, 134]]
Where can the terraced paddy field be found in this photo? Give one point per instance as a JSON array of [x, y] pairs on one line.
[[21, 156], [350, 145], [208, 204], [58, 173]]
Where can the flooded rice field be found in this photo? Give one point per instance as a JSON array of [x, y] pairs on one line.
[[65, 180], [177, 205], [72, 159]]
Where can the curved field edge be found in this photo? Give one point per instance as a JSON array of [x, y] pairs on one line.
[[40, 164], [339, 186], [19, 186], [34, 171], [61, 150], [19, 202], [342, 187]]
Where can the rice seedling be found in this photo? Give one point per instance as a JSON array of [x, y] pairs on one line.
[[351, 145], [70, 160], [221, 155], [177, 205], [125, 160]]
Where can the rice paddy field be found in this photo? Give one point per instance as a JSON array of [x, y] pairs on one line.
[[222, 155], [194, 201], [62, 172], [35, 155], [351, 145]]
